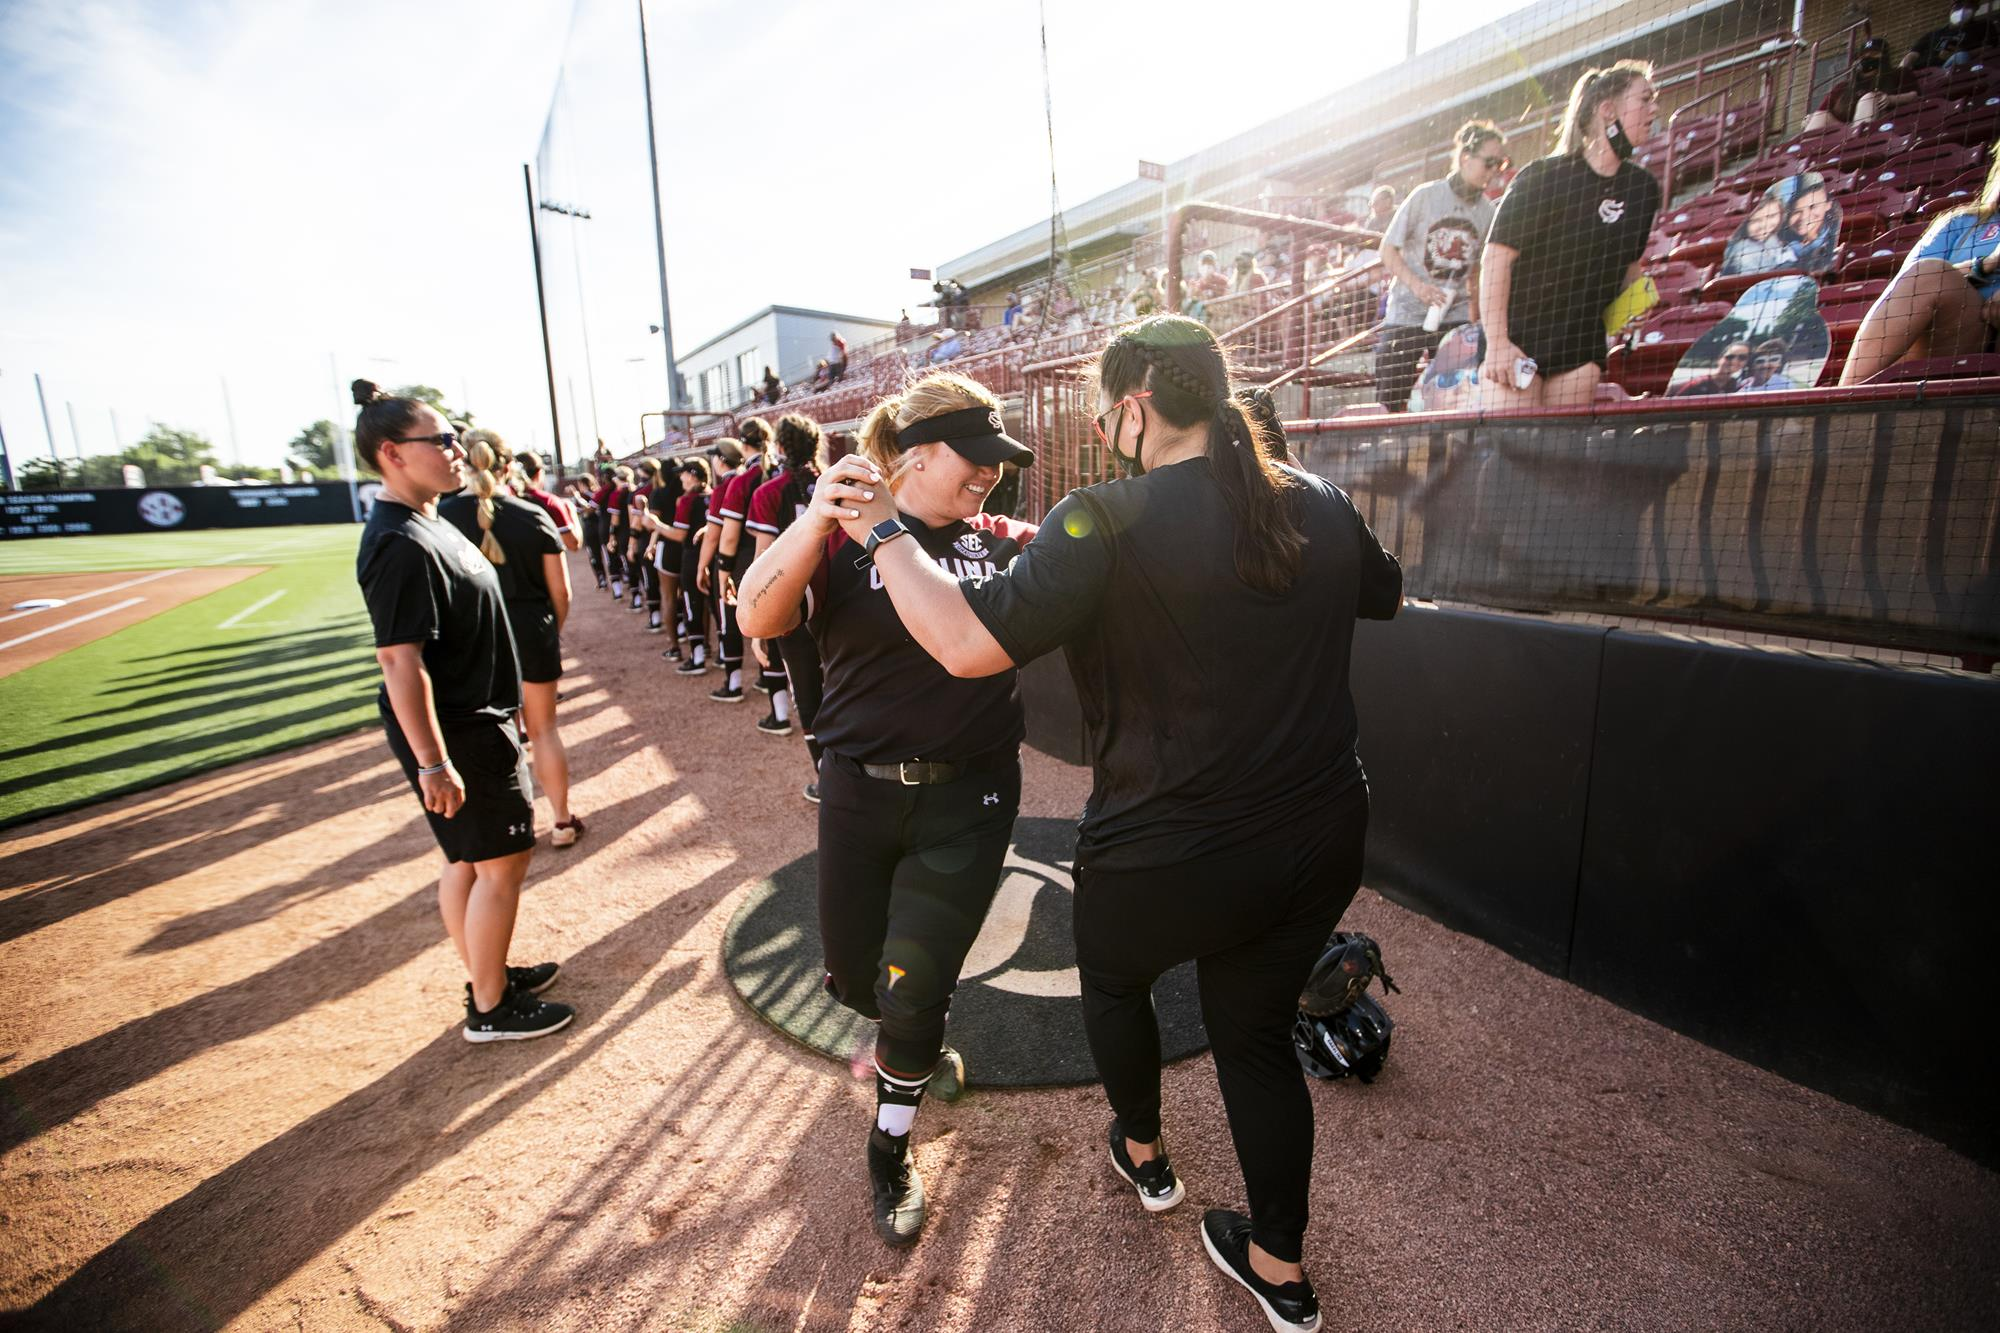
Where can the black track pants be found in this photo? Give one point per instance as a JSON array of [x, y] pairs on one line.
[[1255, 922], [694, 602], [652, 585], [614, 555], [593, 545], [729, 639], [905, 877], [802, 669]]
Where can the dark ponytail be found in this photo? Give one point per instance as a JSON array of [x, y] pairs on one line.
[[1178, 359], [383, 417]]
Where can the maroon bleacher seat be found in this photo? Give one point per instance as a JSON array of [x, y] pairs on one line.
[[1924, 166], [1939, 368], [1976, 83], [1973, 126], [1647, 362], [1760, 175], [1859, 152], [1860, 224], [1881, 257], [1728, 287], [1696, 214], [1706, 249], [1846, 293], [1677, 281], [1882, 201]]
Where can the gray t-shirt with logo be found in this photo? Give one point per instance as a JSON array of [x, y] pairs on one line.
[[1440, 235]]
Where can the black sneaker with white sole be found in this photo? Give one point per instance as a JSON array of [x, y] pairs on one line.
[[518, 1017], [1290, 1306], [726, 695], [533, 980], [811, 793], [1159, 1188], [771, 726], [899, 1191], [694, 666], [653, 625]]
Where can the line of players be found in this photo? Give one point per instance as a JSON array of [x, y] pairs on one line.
[[670, 538]]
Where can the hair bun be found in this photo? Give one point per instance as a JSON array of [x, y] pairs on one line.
[[366, 392]]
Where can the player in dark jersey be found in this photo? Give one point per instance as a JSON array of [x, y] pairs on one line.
[[921, 771], [591, 500], [618, 509], [726, 553], [690, 521], [1225, 825], [450, 687], [790, 663], [662, 578], [645, 579]]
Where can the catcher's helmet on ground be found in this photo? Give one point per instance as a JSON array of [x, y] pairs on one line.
[[1341, 1029]]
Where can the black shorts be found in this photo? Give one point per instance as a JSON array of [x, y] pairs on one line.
[[498, 817], [537, 641], [1554, 351]]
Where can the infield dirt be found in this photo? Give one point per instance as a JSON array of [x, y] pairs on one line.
[[235, 1095]]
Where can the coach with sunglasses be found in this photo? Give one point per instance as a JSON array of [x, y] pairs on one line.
[[1431, 251], [451, 684]]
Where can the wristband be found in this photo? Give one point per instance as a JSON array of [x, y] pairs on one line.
[[434, 769]]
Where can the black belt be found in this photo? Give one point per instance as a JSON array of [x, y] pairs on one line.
[[923, 772]]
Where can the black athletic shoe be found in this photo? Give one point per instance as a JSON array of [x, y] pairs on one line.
[[533, 980], [601, 585], [653, 625], [771, 726], [672, 654], [518, 1017], [811, 792], [1159, 1188], [694, 666], [948, 1079], [899, 1191], [1290, 1306], [725, 695]]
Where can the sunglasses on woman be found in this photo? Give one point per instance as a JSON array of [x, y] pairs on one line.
[[443, 440], [1098, 422]]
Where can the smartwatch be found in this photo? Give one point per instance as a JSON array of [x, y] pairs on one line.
[[887, 530]]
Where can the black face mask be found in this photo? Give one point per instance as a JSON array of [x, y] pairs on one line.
[[1614, 134]]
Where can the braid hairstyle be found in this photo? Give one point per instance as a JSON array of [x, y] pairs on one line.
[[1178, 360], [486, 485], [798, 440]]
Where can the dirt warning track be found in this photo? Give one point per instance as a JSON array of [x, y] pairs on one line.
[[232, 1094], [94, 605]]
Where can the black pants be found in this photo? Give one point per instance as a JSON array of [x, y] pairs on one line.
[[593, 544], [802, 670], [905, 877], [729, 639], [614, 554], [1399, 348], [652, 584], [694, 603], [1255, 922]]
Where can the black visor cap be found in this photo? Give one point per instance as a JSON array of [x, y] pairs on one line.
[[976, 434]]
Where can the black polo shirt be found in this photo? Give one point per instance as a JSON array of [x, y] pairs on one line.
[[424, 583], [1217, 716], [886, 700]]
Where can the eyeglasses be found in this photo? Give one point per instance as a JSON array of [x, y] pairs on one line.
[[446, 440], [1097, 422]]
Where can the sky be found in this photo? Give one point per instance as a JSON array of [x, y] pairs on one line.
[[214, 213]]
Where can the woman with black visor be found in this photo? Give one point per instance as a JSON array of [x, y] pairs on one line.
[[1225, 824], [921, 773]]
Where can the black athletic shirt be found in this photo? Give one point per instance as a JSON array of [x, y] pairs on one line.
[[1577, 232], [1217, 716], [526, 533], [886, 700], [621, 509], [425, 583]]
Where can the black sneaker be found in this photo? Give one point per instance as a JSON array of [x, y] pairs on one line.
[[518, 1017], [948, 1079], [771, 726], [1290, 1306], [1159, 1188], [811, 793], [672, 654], [618, 589], [899, 1191], [725, 695], [694, 666], [533, 980], [601, 585], [653, 625]]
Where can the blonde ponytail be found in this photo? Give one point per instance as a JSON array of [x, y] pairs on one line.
[[486, 485]]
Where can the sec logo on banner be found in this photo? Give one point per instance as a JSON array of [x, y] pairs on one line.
[[160, 509]]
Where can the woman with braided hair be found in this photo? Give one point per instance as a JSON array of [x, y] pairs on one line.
[[520, 540], [1225, 824]]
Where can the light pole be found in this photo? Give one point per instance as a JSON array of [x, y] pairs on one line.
[[542, 305], [575, 211], [675, 398]]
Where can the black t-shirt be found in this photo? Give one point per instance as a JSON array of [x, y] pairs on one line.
[[1576, 232], [525, 532], [1941, 44], [621, 509], [1217, 715], [424, 583], [886, 700]]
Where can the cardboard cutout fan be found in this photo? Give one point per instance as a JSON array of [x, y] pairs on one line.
[[1795, 227], [1450, 382], [1772, 340]]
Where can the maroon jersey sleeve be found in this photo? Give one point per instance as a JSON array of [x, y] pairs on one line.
[[763, 513], [683, 509]]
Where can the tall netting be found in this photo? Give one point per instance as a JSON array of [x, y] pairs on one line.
[[1642, 308], [595, 223]]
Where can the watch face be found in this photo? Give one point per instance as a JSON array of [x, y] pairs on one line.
[[887, 528]]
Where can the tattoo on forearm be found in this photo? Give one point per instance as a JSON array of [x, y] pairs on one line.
[[758, 596]]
